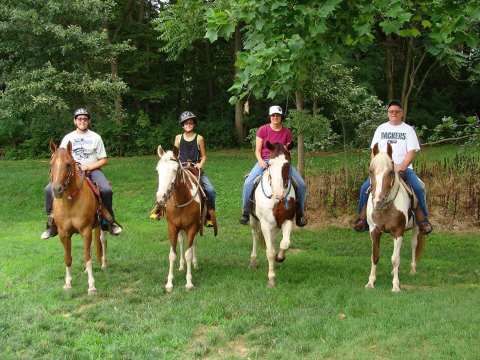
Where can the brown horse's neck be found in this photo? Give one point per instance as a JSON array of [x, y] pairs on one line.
[[75, 185], [181, 192]]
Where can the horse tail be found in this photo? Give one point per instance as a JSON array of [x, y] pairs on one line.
[[98, 244], [420, 245]]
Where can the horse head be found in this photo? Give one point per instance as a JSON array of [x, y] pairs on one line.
[[167, 168], [279, 169], [382, 175], [62, 168]]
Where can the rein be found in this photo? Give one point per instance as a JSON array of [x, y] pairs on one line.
[[392, 193], [70, 176], [270, 196]]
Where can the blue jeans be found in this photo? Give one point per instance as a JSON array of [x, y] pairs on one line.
[[257, 170], [412, 180], [209, 190], [98, 177]]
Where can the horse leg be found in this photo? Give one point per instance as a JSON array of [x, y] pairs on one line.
[[194, 255], [413, 264], [103, 240], [67, 247], [256, 233], [270, 250], [189, 256], [285, 243], [181, 240], [87, 244], [397, 245], [173, 236], [375, 235]]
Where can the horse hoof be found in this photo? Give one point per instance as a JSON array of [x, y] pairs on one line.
[[189, 287], [370, 286], [92, 291], [195, 266], [279, 259], [396, 289], [104, 267], [67, 287], [181, 268], [253, 264], [168, 289], [271, 283]]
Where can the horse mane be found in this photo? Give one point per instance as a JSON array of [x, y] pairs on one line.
[[277, 149]]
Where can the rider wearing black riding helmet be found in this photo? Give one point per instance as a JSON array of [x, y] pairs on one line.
[[89, 151]]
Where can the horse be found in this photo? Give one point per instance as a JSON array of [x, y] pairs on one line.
[[75, 211], [388, 210], [274, 208], [179, 194]]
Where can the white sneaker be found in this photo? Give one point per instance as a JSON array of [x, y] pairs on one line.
[[116, 229], [47, 234]]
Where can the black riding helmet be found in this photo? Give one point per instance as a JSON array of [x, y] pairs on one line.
[[81, 111], [186, 115]]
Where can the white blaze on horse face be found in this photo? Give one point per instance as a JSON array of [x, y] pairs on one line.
[[275, 168], [167, 168], [381, 165]]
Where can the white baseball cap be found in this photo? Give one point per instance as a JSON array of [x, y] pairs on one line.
[[275, 109]]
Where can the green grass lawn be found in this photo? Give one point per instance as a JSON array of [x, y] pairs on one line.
[[319, 308]]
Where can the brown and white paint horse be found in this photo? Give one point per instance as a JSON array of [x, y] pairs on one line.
[[75, 211], [388, 210], [179, 193], [274, 208]]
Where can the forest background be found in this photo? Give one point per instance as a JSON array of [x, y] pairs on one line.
[[332, 64]]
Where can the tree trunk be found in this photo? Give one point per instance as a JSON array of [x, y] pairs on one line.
[[406, 77], [238, 106], [210, 71], [301, 146], [389, 67]]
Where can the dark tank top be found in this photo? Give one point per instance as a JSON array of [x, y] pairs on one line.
[[189, 150]]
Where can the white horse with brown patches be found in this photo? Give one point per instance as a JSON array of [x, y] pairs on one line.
[[388, 210], [274, 208]]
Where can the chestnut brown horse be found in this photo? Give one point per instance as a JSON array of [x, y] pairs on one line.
[[75, 211], [388, 210], [179, 194]]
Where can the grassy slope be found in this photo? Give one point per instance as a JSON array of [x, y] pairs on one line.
[[231, 314]]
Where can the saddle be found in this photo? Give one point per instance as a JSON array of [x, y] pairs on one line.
[[102, 212]]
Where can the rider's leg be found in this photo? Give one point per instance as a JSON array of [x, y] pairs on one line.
[[421, 212], [301, 194], [247, 191], [106, 193], [361, 222], [211, 196], [51, 227]]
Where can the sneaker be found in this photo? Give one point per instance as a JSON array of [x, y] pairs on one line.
[[50, 232], [244, 220], [209, 223], [115, 229], [361, 225]]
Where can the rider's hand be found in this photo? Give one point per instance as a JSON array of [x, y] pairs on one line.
[[400, 167], [198, 166], [262, 164], [85, 167]]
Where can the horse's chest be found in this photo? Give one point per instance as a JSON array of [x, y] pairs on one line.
[[282, 213], [390, 220]]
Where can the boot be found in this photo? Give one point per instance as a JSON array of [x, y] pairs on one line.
[[424, 225], [51, 229], [361, 222], [245, 218], [300, 219], [109, 223], [212, 221]]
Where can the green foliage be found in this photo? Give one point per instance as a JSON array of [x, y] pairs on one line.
[[464, 129]]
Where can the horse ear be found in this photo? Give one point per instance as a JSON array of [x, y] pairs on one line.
[[69, 147], [53, 146], [375, 149], [389, 150], [290, 145], [175, 151], [160, 151], [269, 145]]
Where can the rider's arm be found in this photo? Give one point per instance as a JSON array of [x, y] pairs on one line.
[[258, 152], [203, 152], [94, 166], [409, 157], [177, 141]]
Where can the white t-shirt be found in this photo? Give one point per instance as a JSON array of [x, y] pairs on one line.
[[87, 148], [401, 137]]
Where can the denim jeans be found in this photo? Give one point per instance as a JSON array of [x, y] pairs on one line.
[[209, 190], [412, 180], [97, 177], [257, 170]]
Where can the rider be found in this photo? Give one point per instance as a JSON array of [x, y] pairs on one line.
[[191, 149], [404, 142], [87, 150], [274, 132]]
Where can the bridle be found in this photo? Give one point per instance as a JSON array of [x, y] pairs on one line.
[[392, 194], [284, 198], [70, 176]]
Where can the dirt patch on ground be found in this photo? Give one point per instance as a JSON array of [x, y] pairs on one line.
[[236, 348]]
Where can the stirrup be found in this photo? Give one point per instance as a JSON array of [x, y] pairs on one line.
[[245, 219], [425, 227]]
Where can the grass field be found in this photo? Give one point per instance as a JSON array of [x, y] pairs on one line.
[[318, 310]]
